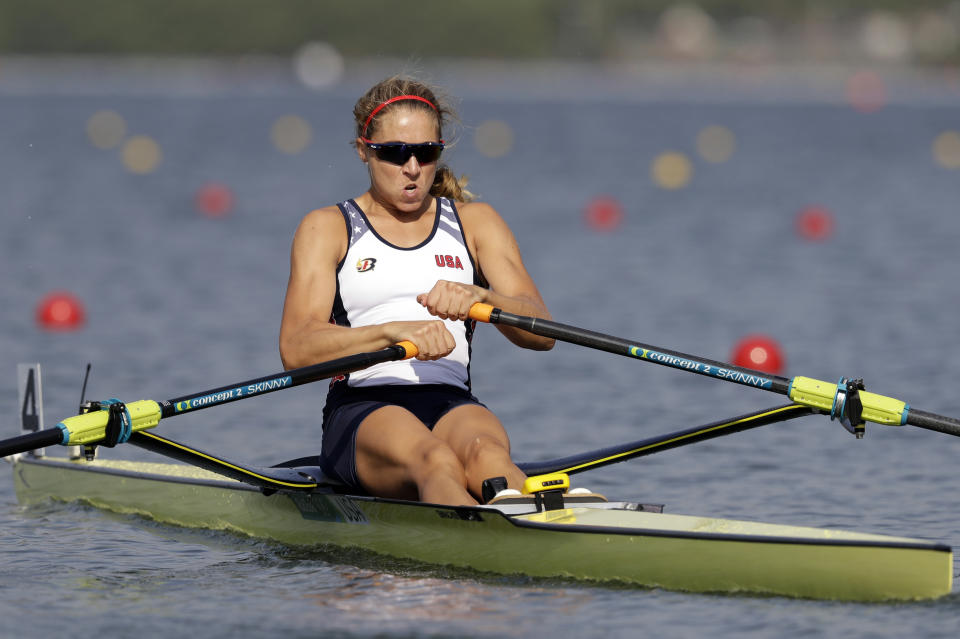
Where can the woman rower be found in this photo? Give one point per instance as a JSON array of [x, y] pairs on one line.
[[405, 261]]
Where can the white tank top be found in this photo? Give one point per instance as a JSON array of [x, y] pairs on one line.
[[379, 282]]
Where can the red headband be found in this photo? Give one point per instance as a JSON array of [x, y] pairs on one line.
[[391, 101]]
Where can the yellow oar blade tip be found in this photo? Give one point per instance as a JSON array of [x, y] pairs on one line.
[[481, 312], [409, 348]]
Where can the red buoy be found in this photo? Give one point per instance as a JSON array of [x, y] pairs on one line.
[[758, 352], [60, 311], [814, 223], [604, 214], [866, 91], [214, 200]]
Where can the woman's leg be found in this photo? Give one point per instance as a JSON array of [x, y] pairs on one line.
[[397, 456], [481, 444]]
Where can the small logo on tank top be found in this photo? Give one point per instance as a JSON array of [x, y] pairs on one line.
[[366, 264], [448, 261]]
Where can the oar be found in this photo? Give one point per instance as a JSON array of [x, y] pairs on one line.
[[844, 400], [91, 428]]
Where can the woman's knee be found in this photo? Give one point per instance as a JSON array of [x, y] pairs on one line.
[[482, 450], [437, 457]]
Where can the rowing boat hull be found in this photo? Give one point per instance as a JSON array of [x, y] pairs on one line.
[[599, 543]]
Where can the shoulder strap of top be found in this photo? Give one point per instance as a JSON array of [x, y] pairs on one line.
[[356, 222], [450, 220]]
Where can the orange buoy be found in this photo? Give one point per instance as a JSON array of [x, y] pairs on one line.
[[814, 223], [214, 200], [758, 352], [603, 214], [60, 311]]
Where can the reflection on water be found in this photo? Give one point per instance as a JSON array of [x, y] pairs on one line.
[[384, 596]]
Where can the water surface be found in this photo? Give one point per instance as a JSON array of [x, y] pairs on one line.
[[179, 303]]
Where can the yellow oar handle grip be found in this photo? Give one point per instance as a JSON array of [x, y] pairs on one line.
[[410, 349], [481, 312], [91, 428]]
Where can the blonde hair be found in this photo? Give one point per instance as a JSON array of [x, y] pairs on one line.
[[445, 182]]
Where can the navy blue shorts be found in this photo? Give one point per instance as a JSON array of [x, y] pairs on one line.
[[347, 407]]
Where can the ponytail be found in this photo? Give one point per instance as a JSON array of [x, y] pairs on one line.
[[448, 185]]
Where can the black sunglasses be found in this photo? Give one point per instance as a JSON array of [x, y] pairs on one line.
[[400, 152]]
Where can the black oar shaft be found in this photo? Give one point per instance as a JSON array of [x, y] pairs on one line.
[[637, 350], [279, 381], [827, 397], [31, 441], [932, 421], [91, 427]]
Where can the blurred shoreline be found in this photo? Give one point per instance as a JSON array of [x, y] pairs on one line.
[[522, 80]]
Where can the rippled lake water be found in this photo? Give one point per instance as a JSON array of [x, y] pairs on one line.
[[177, 302]]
